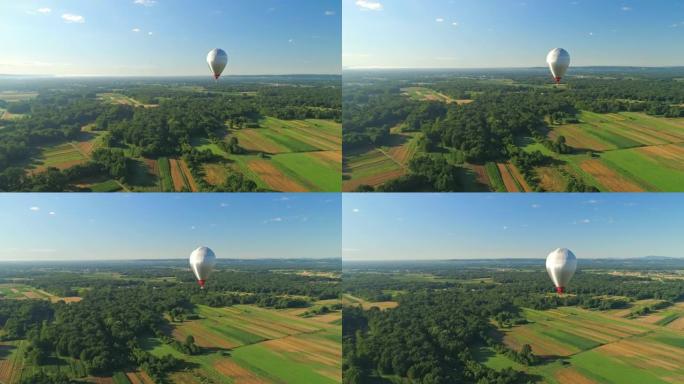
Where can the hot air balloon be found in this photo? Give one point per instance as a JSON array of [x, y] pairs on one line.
[[202, 261], [561, 265], [559, 61], [217, 60]]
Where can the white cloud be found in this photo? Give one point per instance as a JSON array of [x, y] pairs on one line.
[[505, 227], [192, 228], [535, 206], [35, 209], [71, 18], [223, 205], [626, 9], [145, 3], [52, 213], [439, 20], [591, 33], [44, 11], [586, 221], [455, 23], [356, 210], [274, 220], [150, 33], [291, 41], [367, 5], [329, 13], [136, 30]]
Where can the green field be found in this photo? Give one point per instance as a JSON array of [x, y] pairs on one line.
[[281, 155], [313, 173], [653, 173], [427, 94], [376, 166], [64, 155], [495, 177], [165, 174], [596, 347], [106, 186], [623, 152], [61, 154], [14, 366], [12, 96], [118, 98], [141, 178], [258, 344], [21, 291]]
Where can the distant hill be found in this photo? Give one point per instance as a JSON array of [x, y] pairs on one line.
[[641, 263]]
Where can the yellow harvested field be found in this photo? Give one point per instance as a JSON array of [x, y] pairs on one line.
[[238, 374], [273, 177], [610, 179], [572, 376]]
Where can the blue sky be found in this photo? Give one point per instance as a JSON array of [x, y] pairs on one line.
[[169, 37], [471, 226], [154, 226], [511, 33]]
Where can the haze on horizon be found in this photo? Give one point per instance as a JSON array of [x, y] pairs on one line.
[[169, 37], [412, 227], [58, 227], [472, 34]]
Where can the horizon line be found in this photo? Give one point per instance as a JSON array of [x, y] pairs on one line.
[[163, 76], [511, 258], [361, 68], [170, 259]]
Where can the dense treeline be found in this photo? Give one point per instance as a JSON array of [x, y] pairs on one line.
[[440, 321], [505, 109], [375, 286], [55, 117], [369, 114], [528, 286], [317, 287], [103, 331], [426, 339], [265, 288], [123, 306], [426, 174], [289, 103], [165, 121]]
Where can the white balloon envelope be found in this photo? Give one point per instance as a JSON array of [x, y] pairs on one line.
[[202, 262], [559, 62], [217, 60], [561, 265]]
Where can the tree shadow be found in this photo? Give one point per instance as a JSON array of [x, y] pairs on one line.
[[469, 180], [225, 352], [395, 140], [6, 350], [189, 365], [140, 174], [530, 378], [264, 155], [548, 359]]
